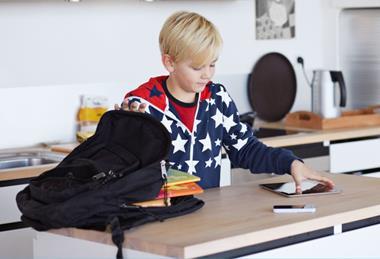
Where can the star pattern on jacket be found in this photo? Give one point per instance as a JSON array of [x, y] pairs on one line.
[[240, 143], [191, 164], [181, 126], [209, 162], [225, 97], [179, 144], [218, 118], [206, 142], [218, 158], [228, 122], [167, 123], [196, 123], [155, 92]]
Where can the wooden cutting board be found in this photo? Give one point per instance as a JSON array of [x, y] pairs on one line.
[[349, 119], [64, 148]]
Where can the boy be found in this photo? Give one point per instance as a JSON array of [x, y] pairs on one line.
[[199, 114]]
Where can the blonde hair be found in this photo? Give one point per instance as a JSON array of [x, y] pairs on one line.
[[189, 35]]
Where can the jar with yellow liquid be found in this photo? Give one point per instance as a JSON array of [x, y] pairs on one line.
[[91, 110]]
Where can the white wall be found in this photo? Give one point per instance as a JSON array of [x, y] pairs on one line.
[[53, 51]]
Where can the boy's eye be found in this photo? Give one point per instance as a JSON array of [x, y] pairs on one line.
[[200, 68]]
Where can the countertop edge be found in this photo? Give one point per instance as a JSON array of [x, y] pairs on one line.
[[271, 234], [229, 243], [320, 136]]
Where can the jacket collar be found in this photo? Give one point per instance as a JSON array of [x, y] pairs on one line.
[[153, 92]]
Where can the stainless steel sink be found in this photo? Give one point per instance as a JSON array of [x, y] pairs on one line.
[[24, 159]]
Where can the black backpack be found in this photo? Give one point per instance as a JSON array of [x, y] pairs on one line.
[[95, 185]]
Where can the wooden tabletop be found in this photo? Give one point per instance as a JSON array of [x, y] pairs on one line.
[[238, 216], [308, 136]]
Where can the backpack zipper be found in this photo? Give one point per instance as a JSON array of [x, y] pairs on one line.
[[165, 178], [107, 176]]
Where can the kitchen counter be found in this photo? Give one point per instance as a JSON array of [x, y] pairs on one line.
[[24, 172], [306, 136], [224, 224]]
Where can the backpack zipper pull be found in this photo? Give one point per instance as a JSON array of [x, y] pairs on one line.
[[111, 174], [163, 170], [99, 176], [165, 177], [108, 176]]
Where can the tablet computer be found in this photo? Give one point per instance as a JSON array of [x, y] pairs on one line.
[[309, 187]]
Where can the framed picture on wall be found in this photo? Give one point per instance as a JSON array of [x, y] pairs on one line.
[[275, 19]]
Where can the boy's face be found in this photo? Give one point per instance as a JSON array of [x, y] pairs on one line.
[[192, 79]]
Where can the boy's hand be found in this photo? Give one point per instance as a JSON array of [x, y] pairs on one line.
[[300, 171], [135, 106]]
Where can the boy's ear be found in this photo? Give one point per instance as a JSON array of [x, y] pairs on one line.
[[168, 63]]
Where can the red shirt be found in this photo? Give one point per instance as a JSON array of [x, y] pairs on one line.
[[186, 111]]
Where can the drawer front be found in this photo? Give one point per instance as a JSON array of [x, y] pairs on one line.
[[355, 155], [375, 175], [9, 210]]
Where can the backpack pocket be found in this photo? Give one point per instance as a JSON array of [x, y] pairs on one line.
[[62, 183], [83, 174], [115, 158], [132, 216]]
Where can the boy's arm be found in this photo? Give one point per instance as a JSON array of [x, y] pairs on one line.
[[246, 151]]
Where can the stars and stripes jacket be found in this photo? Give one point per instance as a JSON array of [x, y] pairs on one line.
[[216, 125]]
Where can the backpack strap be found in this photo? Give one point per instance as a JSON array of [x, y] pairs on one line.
[[117, 236]]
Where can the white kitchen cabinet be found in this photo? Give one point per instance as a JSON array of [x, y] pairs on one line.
[[48, 245], [359, 243], [17, 243], [354, 155], [319, 163], [14, 243], [10, 212]]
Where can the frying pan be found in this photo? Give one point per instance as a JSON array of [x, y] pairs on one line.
[[272, 87]]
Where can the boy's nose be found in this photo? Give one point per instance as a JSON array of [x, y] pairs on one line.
[[206, 73]]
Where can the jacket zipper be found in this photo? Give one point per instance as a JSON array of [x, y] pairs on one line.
[[192, 138]]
